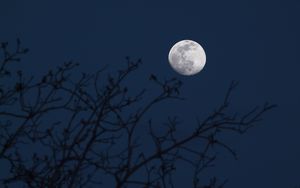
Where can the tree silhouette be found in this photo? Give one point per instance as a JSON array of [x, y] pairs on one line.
[[62, 130]]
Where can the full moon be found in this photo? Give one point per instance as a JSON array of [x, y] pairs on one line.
[[187, 57]]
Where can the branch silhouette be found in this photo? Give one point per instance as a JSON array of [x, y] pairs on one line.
[[62, 130]]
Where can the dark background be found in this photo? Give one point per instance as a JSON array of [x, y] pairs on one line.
[[253, 41]]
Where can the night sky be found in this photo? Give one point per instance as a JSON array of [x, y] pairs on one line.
[[255, 42]]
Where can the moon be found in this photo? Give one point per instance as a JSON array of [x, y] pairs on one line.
[[187, 57]]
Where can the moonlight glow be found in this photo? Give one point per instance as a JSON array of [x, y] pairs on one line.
[[187, 57]]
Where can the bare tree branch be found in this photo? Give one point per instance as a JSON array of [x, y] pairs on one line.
[[62, 130]]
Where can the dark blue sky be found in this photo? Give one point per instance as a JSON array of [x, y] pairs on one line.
[[253, 41]]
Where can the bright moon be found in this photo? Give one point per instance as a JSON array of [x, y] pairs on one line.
[[187, 57]]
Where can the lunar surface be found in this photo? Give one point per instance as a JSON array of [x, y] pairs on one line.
[[187, 57]]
